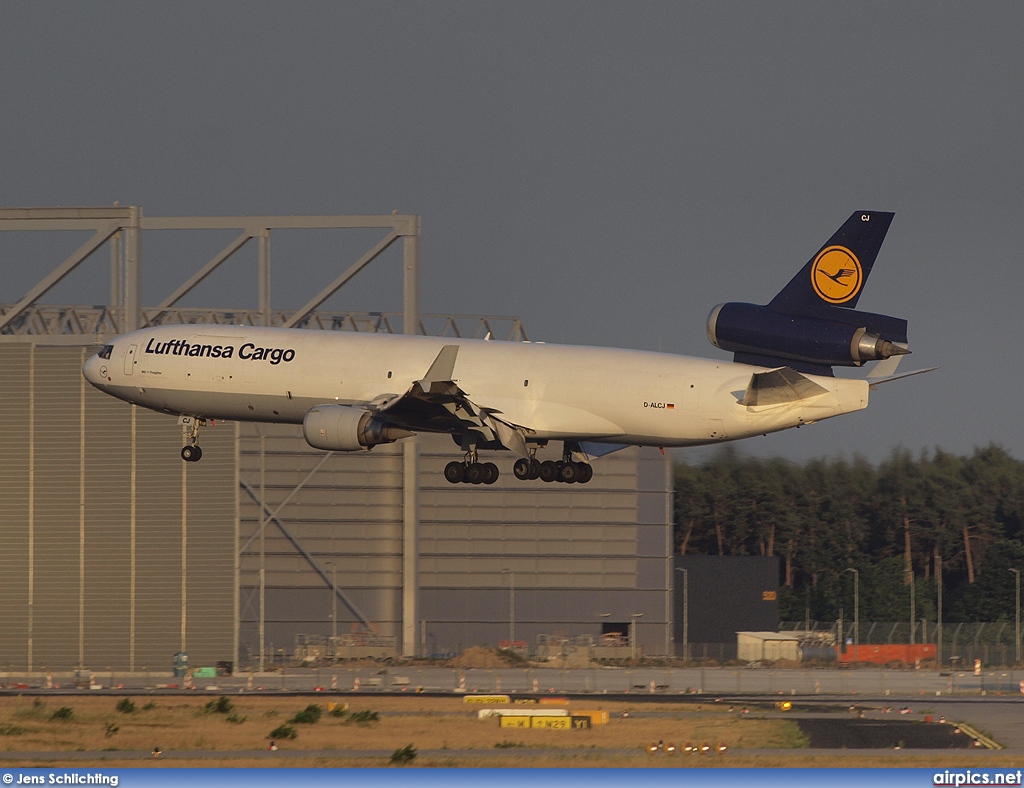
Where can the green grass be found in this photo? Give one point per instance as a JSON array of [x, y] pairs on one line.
[[220, 706], [283, 732], [363, 717], [308, 716], [404, 755]]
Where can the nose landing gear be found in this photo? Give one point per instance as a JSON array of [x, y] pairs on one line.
[[191, 452]]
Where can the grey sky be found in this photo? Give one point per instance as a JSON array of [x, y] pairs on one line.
[[607, 171]]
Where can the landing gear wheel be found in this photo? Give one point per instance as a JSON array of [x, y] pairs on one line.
[[491, 473], [191, 453], [534, 470], [548, 471], [522, 469], [586, 472], [475, 473], [569, 472], [455, 472]]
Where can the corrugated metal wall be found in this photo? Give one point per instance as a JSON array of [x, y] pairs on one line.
[[96, 511], [575, 551]]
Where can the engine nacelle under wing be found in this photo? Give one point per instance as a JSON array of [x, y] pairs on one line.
[[347, 428], [841, 337]]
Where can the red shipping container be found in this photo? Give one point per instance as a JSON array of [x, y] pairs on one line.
[[881, 654]]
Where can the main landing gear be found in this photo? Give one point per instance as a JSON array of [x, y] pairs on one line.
[[565, 471], [191, 452], [470, 471]]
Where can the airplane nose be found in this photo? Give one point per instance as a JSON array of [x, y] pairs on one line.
[[94, 370]]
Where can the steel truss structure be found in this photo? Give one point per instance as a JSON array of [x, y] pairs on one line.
[[620, 558], [122, 228]]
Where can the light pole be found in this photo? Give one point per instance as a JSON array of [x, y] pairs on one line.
[[632, 636], [938, 625], [686, 612], [334, 610], [511, 609], [1016, 631], [856, 610], [913, 619]]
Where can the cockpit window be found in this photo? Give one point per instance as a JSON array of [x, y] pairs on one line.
[[107, 350]]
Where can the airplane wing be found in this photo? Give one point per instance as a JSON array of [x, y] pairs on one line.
[[436, 403]]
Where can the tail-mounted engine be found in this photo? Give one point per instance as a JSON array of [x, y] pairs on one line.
[[812, 324], [344, 428], [810, 343]]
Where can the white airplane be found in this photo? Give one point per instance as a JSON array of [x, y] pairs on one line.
[[354, 391]]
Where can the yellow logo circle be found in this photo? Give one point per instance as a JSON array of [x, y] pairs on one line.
[[836, 275]]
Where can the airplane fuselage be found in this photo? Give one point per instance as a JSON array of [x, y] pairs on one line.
[[555, 392]]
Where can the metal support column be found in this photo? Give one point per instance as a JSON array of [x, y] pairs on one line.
[[132, 271], [669, 562], [132, 539], [265, 277], [410, 458], [31, 504], [116, 277], [81, 516], [238, 556], [263, 549]]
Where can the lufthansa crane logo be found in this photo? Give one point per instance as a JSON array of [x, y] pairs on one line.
[[836, 275]]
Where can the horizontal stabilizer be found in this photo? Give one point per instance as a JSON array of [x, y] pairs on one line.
[[875, 381], [780, 386]]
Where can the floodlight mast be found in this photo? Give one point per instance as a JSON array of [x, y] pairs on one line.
[[856, 610]]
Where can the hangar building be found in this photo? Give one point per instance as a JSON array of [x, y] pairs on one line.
[[117, 554]]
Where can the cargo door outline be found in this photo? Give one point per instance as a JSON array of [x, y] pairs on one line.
[[129, 359]]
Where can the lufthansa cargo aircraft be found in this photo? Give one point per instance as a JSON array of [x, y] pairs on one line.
[[351, 391]]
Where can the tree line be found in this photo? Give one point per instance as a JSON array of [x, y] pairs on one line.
[[900, 524]]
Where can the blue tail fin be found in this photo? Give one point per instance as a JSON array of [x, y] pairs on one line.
[[836, 274], [812, 325]]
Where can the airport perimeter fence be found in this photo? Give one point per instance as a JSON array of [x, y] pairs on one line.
[[992, 642], [717, 684]]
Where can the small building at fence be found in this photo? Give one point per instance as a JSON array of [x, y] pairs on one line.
[[767, 646]]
